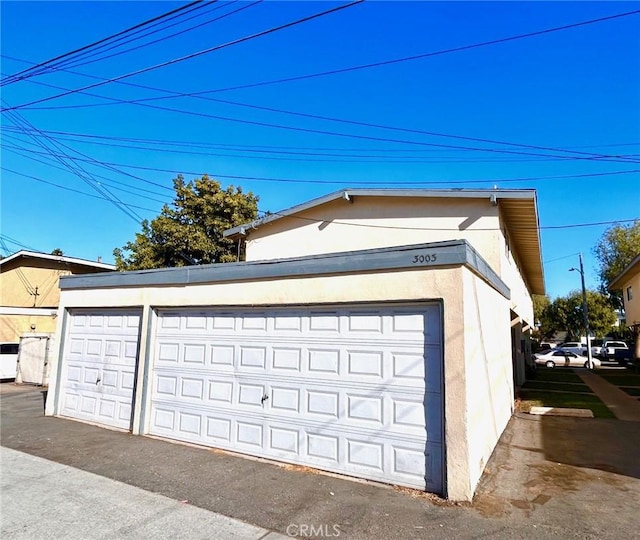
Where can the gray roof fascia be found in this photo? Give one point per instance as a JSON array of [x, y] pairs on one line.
[[346, 193], [430, 255], [56, 258]]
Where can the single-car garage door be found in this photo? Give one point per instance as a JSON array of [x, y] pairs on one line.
[[351, 390], [98, 366]]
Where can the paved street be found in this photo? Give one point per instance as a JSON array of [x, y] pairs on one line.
[[548, 478]]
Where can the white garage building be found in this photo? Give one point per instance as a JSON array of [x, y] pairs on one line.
[[394, 363]]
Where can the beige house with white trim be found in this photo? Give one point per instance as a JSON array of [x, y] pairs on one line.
[[372, 333], [628, 281], [29, 293]]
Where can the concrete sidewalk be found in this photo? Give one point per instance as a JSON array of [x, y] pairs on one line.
[[559, 478], [621, 404], [43, 499]]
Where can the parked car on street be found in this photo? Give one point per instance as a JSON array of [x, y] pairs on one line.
[[574, 347], [8, 360], [596, 347], [609, 348], [557, 357]]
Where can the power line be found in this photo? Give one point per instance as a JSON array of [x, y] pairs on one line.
[[401, 228], [17, 243], [81, 173], [109, 180], [75, 190], [246, 147], [560, 258], [86, 58], [192, 55], [103, 40], [164, 38], [365, 182], [422, 55], [368, 137], [144, 102], [346, 158]]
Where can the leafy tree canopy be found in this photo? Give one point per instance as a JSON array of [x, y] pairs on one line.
[[617, 247], [565, 314], [57, 252], [190, 231]]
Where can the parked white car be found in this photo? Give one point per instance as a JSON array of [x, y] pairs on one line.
[[8, 360], [574, 347], [556, 357]]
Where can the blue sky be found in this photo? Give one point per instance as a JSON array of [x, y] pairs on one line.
[[576, 89]]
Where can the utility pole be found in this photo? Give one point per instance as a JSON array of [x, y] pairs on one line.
[[585, 312], [35, 295]]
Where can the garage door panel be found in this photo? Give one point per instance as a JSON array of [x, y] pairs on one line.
[[356, 391], [372, 404], [99, 359]]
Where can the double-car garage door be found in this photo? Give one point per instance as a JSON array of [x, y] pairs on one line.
[[354, 390]]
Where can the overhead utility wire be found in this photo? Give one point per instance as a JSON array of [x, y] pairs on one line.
[[193, 55], [142, 102], [366, 137], [275, 148], [17, 243], [401, 228], [75, 168], [89, 57], [588, 156], [347, 158], [66, 188], [420, 56], [29, 155], [164, 38], [103, 40], [367, 182]]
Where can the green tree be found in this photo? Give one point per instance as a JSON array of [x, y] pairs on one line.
[[190, 231], [540, 302], [617, 247], [57, 252], [565, 313]]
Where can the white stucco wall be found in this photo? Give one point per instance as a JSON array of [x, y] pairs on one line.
[[373, 222], [462, 294], [488, 370], [509, 270]]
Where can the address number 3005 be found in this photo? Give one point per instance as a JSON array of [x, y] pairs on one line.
[[425, 258]]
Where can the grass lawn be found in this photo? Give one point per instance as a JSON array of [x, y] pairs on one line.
[[533, 398], [552, 385], [556, 374], [621, 378], [631, 391]]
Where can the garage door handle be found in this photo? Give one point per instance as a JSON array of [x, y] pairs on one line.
[[264, 398]]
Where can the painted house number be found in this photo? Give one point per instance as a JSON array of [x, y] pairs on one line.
[[425, 258]]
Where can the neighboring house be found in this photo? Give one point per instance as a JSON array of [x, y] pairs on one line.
[[629, 283], [29, 293], [385, 349]]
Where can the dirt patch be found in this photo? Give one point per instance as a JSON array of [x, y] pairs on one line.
[[431, 497], [490, 506], [299, 468]]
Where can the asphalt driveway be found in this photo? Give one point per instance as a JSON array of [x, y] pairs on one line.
[[548, 478]]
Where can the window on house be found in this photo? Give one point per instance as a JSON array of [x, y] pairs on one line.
[[629, 293]]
